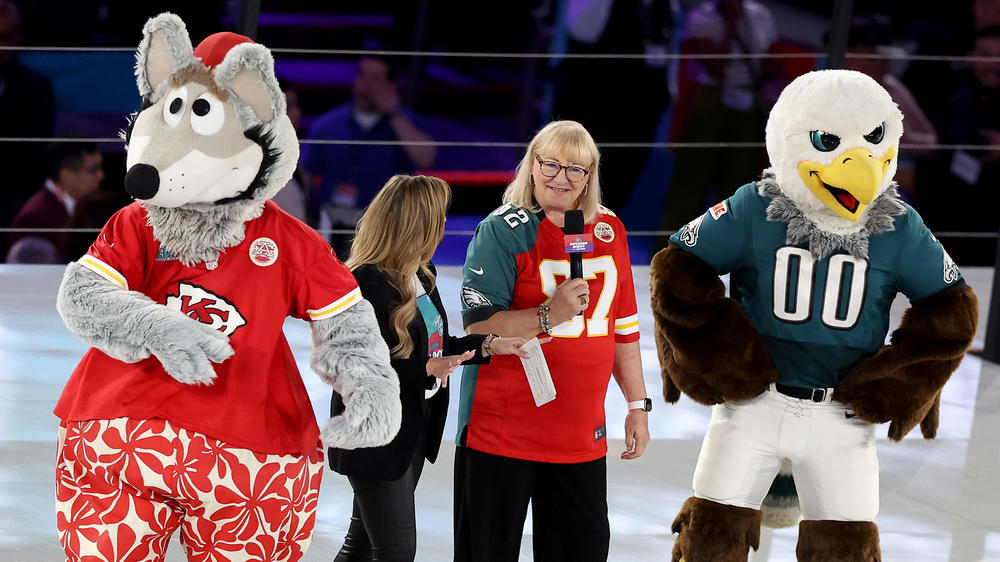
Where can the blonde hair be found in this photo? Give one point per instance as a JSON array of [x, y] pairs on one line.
[[576, 144], [398, 234]]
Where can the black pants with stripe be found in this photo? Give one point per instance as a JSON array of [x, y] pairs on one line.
[[569, 508]]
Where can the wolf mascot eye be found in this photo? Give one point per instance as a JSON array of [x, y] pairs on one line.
[[207, 115], [174, 108]]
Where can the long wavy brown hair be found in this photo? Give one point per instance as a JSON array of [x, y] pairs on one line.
[[398, 234]]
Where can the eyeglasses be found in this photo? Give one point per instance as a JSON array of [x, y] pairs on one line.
[[549, 169]]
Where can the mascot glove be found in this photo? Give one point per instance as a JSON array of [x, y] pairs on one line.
[[901, 384], [371, 418], [187, 348], [707, 345]]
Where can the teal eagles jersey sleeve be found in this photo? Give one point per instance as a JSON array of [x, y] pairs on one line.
[[721, 237], [924, 265], [491, 261]]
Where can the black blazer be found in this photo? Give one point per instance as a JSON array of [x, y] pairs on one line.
[[389, 462]]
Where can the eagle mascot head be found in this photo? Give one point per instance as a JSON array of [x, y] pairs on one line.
[[833, 142]]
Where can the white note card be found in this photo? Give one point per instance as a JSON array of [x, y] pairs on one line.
[[537, 370]]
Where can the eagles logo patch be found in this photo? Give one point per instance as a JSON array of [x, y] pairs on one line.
[[472, 298], [689, 232], [950, 269]]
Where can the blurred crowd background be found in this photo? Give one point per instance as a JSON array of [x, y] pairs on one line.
[[444, 88]]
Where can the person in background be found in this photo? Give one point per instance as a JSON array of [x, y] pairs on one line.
[[871, 34], [728, 104], [968, 178], [27, 109], [75, 173], [343, 178], [615, 26], [390, 259], [292, 197], [514, 447], [89, 215]]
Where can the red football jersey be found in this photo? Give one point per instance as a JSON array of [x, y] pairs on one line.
[[515, 261], [257, 401]]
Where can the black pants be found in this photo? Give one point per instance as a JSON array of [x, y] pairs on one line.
[[383, 523], [569, 508]]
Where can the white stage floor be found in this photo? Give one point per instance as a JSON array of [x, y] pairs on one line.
[[940, 499]]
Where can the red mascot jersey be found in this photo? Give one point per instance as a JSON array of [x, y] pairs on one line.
[[257, 401]]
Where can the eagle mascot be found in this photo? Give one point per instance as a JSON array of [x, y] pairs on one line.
[[794, 361]]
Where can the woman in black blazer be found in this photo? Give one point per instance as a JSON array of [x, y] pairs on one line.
[[390, 259]]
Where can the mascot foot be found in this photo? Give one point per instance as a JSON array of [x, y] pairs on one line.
[[713, 532], [838, 541]]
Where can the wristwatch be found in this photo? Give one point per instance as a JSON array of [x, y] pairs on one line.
[[646, 404]]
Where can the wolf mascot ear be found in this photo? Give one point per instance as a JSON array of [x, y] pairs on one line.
[[165, 48], [248, 72]]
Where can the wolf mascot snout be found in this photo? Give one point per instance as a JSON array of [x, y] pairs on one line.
[[188, 410]]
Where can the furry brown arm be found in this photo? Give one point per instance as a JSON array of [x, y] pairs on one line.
[[707, 345], [902, 383]]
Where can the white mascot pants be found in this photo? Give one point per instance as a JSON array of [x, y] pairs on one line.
[[832, 452]]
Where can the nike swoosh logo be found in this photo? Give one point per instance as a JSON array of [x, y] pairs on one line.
[[477, 271]]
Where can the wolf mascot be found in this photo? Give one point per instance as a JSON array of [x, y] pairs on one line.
[[188, 411], [795, 362]]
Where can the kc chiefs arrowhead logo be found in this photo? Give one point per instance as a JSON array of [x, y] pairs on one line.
[[199, 304]]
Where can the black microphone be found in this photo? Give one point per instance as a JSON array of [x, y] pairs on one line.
[[573, 225], [576, 242]]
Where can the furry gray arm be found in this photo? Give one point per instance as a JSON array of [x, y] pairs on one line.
[[350, 355], [130, 327], [901, 384], [707, 345]]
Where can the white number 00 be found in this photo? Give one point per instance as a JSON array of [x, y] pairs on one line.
[[798, 309]]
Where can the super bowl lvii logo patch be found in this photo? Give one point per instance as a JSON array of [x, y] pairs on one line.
[[263, 252], [604, 232]]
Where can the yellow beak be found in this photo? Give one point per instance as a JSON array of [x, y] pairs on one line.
[[849, 184]]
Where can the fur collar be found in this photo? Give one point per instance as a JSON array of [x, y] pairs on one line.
[[878, 218], [201, 232]]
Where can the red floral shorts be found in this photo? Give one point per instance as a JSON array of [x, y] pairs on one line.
[[123, 486]]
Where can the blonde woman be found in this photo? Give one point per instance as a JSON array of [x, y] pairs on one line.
[[390, 259], [517, 282]]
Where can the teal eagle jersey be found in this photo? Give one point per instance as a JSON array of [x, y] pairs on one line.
[[818, 317], [515, 262]]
